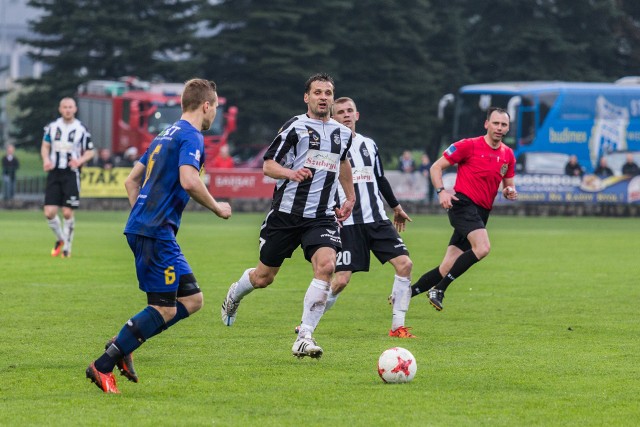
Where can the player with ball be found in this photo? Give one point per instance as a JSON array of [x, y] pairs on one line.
[[484, 163]]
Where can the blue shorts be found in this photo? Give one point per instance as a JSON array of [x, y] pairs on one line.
[[159, 263]]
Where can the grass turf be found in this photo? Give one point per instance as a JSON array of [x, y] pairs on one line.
[[542, 332]]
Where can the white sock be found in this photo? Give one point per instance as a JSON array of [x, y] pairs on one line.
[[331, 299], [69, 225], [55, 226], [401, 298], [244, 286], [315, 301]]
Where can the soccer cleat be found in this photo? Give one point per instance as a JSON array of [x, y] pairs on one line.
[[66, 254], [229, 307], [125, 365], [435, 298], [57, 247], [306, 346], [105, 382], [401, 332]]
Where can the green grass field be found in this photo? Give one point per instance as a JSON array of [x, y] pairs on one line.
[[542, 332]]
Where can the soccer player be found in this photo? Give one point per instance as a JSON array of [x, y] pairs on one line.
[[307, 158], [484, 163], [159, 187], [368, 229], [66, 146]]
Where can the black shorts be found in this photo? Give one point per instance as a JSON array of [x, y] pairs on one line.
[[282, 233], [63, 188], [465, 217], [359, 240]]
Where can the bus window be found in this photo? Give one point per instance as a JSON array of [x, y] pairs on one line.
[[546, 101]]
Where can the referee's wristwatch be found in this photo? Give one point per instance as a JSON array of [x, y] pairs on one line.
[[440, 190]]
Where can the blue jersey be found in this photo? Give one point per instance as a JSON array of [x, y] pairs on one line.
[[158, 209]]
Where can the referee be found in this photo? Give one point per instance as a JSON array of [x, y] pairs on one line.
[[484, 163]]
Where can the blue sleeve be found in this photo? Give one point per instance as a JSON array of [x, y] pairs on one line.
[[192, 150]]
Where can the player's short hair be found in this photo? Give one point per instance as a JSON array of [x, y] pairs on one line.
[[318, 77], [342, 100], [499, 110], [196, 92]]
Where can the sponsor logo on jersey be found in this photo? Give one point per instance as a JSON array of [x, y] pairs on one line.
[[451, 149], [321, 160], [197, 156], [503, 169], [363, 174]]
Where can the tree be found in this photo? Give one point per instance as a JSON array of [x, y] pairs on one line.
[[97, 39], [262, 52]]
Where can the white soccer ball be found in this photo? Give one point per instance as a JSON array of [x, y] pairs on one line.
[[397, 365]]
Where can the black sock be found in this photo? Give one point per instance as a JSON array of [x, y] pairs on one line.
[[462, 264], [426, 282]]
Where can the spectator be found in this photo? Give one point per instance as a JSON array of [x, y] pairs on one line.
[[630, 167], [223, 160], [603, 170], [425, 165], [10, 165], [105, 160], [130, 158], [406, 163], [573, 168]]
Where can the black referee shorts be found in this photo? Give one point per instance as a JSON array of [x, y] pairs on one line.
[[465, 217]]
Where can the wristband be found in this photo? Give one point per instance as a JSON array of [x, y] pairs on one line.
[[440, 190]]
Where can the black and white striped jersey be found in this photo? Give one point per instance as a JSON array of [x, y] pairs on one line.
[[320, 147], [367, 169], [68, 141]]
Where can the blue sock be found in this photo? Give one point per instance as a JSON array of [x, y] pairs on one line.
[[181, 313], [138, 329]]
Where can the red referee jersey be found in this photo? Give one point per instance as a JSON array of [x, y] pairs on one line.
[[481, 168]]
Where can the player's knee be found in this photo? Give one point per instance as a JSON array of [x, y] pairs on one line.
[[189, 293], [193, 302], [482, 251], [326, 267], [404, 266]]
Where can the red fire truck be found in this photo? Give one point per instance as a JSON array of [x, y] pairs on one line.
[[129, 113]]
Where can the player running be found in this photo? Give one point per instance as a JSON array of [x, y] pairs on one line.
[[159, 187]]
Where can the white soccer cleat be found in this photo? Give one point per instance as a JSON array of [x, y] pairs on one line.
[[306, 346], [229, 307]]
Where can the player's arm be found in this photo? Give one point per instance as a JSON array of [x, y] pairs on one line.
[[192, 184], [509, 188], [86, 156], [45, 152], [134, 181], [436, 171], [346, 181], [275, 170]]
